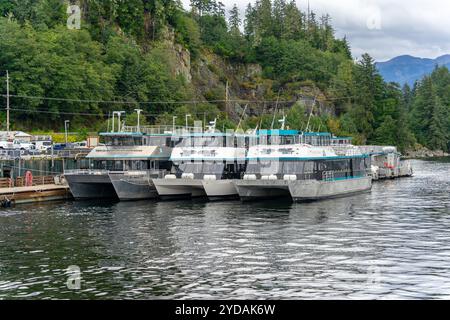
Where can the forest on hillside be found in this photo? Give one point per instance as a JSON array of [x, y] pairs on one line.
[[123, 58]]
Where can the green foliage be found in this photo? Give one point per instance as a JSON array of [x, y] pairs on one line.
[[122, 54], [188, 33], [68, 64], [430, 116]]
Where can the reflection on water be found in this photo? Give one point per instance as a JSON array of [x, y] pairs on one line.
[[391, 243]]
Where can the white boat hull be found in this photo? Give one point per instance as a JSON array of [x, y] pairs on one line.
[[179, 188], [301, 190], [220, 189], [251, 190], [133, 187], [311, 190]]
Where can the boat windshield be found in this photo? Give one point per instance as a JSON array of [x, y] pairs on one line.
[[123, 141], [202, 168]]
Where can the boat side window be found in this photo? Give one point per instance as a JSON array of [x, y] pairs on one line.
[[297, 167], [213, 168], [286, 140], [114, 165], [108, 141], [99, 165], [138, 141], [275, 140], [165, 165], [264, 140], [253, 168]]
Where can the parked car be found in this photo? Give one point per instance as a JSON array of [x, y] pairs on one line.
[[21, 145], [6, 145], [59, 146], [43, 146], [80, 145]]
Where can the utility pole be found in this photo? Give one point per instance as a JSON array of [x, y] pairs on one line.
[[7, 101], [173, 124], [65, 129], [139, 119], [118, 113], [187, 121], [113, 115], [120, 123]]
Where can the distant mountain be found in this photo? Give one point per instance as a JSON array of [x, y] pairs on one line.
[[408, 69]]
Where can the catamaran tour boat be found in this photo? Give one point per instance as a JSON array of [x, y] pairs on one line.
[[204, 165], [124, 166], [284, 165]]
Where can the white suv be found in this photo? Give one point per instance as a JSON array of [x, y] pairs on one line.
[[23, 145]]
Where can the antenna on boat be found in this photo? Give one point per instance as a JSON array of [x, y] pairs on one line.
[[310, 114], [259, 125], [276, 109], [240, 120], [283, 122], [212, 125]]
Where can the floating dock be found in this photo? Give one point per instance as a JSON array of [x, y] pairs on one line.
[[18, 195]]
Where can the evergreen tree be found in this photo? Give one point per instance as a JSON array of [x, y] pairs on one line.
[[292, 22], [278, 12], [264, 23], [234, 21], [368, 90], [249, 23]]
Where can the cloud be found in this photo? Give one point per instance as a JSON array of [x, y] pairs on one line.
[[384, 28]]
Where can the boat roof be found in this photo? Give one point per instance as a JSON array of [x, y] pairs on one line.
[[280, 132], [129, 153]]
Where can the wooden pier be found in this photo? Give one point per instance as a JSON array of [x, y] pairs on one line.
[[41, 193]]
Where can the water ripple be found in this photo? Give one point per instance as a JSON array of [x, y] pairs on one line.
[[391, 243]]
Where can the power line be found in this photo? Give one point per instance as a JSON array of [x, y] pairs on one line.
[[165, 102], [95, 114]]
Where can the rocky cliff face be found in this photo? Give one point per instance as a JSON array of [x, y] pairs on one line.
[[210, 75]]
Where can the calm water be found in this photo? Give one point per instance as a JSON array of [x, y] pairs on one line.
[[391, 243]]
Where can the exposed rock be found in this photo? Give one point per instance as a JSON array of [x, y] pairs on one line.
[[423, 152]]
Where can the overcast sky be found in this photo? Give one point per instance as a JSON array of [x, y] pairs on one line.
[[384, 28]]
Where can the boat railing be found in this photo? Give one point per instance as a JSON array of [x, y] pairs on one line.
[[86, 172], [139, 174], [151, 130], [328, 175]]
